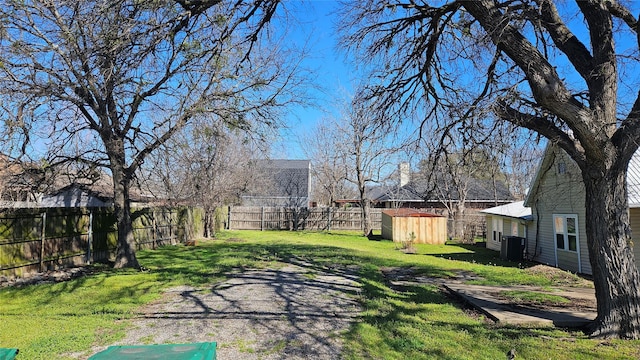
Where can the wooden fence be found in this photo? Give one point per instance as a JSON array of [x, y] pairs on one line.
[[34, 240], [279, 218]]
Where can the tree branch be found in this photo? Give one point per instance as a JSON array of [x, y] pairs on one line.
[[566, 41], [542, 125], [625, 15], [548, 89]]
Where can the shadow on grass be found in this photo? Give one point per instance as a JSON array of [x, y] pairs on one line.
[[480, 255], [101, 291], [422, 322], [200, 264]]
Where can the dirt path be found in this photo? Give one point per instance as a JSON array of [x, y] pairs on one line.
[[294, 312]]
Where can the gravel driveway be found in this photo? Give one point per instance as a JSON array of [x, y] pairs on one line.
[[293, 312]]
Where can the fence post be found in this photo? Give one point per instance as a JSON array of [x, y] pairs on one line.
[[42, 238], [90, 238], [154, 232], [262, 218], [295, 218], [171, 227], [228, 219], [329, 220]]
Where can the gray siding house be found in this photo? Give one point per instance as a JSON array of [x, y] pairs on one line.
[[557, 235], [284, 183]]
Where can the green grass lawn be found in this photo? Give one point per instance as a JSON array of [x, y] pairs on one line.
[[64, 320]]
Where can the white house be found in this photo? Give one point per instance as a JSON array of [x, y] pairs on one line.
[[510, 220]]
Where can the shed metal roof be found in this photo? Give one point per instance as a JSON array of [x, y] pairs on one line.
[[406, 212], [513, 210]]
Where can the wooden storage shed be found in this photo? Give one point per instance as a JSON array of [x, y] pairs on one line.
[[398, 224]]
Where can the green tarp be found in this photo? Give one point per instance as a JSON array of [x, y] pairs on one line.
[[8, 354], [195, 351]]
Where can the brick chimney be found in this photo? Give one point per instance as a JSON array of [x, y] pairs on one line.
[[405, 173]]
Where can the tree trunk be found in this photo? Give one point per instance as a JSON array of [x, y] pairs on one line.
[[615, 275], [210, 224], [366, 221], [207, 222], [125, 250], [459, 220]]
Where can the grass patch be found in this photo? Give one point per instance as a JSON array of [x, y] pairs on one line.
[[54, 320]]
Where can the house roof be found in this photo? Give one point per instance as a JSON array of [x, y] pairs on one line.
[[77, 195], [478, 190], [513, 210], [392, 193]]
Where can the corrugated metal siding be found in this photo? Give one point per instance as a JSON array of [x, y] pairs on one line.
[[558, 194], [633, 180]]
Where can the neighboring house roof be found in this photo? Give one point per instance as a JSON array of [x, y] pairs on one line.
[[86, 195], [478, 190], [19, 181], [77, 195], [515, 210], [388, 194]]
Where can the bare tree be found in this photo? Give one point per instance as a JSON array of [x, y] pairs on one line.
[[535, 71], [365, 145], [452, 174], [327, 170], [111, 81], [207, 164], [519, 163]]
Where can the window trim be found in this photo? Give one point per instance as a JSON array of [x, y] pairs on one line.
[[565, 232]]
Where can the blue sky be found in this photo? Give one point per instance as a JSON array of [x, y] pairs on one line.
[[316, 25], [314, 22]]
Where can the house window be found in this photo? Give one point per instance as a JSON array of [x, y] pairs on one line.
[[562, 168], [514, 228], [497, 229], [566, 231]]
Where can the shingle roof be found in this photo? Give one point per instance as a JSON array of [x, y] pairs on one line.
[[477, 190], [404, 194]]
